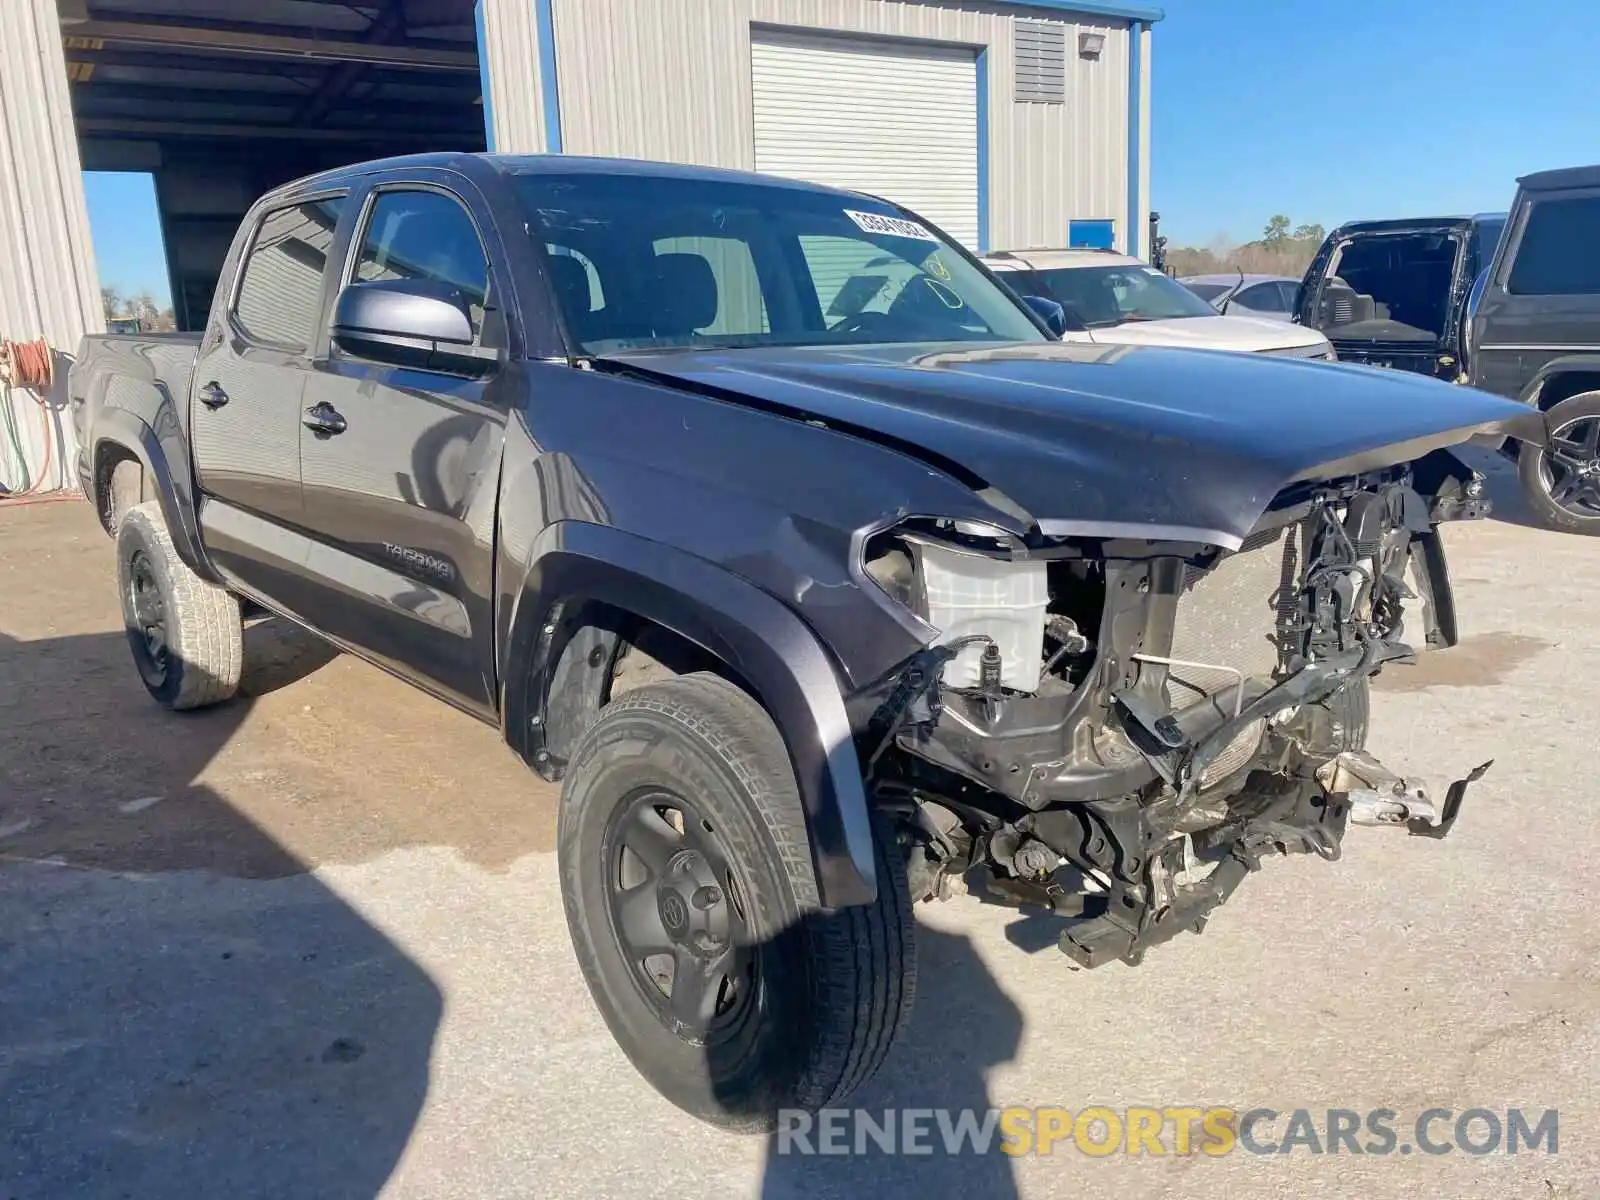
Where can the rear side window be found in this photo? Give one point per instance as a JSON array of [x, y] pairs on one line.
[[1264, 297], [426, 235], [1559, 254], [280, 288]]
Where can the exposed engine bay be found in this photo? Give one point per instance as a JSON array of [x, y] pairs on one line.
[[1118, 730]]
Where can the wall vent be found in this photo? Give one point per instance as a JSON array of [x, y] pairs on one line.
[[1041, 55]]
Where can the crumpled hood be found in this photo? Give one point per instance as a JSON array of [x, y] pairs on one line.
[[1221, 332], [1110, 440]]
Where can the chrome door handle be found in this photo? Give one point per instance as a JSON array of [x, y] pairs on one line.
[[324, 419], [212, 395]]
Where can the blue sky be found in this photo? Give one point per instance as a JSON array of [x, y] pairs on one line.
[[1329, 112], [127, 233], [1325, 112]]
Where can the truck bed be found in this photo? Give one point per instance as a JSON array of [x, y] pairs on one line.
[[107, 364]]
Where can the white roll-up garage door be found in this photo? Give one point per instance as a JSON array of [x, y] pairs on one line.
[[897, 119]]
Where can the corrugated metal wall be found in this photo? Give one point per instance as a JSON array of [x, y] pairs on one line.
[[48, 284], [510, 45], [670, 79]]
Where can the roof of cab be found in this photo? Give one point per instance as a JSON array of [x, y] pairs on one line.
[[1565, 177], [564, 164]]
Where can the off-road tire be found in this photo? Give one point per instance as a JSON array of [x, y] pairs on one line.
[[204, 636], [835, 988], [1531, 470]]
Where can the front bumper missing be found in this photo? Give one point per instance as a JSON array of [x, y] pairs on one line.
[[1178, 890]]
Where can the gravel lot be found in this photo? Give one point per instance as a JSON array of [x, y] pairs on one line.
[[311, 943]]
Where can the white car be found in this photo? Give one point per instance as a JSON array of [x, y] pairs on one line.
[[1110, 298], [1270, 296]]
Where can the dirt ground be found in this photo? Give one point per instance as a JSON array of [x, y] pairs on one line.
[[311, 942], [337, 759]]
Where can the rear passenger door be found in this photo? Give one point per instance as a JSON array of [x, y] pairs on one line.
[[244, 417], [400, 502]]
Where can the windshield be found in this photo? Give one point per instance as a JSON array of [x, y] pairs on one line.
[[1210, 291], [1105, 296], [661, 263]]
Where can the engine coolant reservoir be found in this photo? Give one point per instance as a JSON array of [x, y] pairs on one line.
[[1003, 600]]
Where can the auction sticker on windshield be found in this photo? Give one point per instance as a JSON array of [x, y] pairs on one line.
[[893, 226]]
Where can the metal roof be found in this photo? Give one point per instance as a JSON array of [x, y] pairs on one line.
[[311, 70], [1565, 177]]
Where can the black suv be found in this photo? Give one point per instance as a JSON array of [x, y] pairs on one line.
[[1393, 293], [1535, 336]]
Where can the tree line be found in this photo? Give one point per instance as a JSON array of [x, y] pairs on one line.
[[141, 306], [1282, 249]]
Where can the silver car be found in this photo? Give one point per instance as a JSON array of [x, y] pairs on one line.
[[1260, 295]]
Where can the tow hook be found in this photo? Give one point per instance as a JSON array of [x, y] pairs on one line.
[[1377, 796]]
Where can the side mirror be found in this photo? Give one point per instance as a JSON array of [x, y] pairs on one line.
[[410, 323], [1058, 318]]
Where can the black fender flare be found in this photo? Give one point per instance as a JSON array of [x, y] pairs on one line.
[[1566, 364], [760, 639], [120, 427]]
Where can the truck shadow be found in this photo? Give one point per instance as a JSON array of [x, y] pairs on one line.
[[237, 1029]]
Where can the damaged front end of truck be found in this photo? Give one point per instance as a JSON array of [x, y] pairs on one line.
[[1119, 729]]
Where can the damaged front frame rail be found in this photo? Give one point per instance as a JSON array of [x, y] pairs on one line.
[[1139, 876]]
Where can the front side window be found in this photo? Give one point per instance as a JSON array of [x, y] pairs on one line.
[[280, 284], [1559, 253], [700, 262], [426, 236], [1209, 291], [1106, 296]]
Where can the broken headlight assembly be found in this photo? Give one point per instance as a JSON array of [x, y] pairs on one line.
[[988, 598]]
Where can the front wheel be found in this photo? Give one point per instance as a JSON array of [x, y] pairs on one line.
[[1562, 484], [692, 904]]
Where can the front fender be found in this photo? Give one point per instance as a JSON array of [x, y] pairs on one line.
[[761, 640]]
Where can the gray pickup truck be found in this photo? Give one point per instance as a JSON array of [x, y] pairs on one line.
[[818, 571]]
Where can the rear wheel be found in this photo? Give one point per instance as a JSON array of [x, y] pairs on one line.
[[1562, 483], [186, 635], [692, 904]]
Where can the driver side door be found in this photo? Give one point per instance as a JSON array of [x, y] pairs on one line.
[[400, 465]]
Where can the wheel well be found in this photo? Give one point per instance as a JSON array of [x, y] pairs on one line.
[[607, 652], [108, 457], [1567, 385]]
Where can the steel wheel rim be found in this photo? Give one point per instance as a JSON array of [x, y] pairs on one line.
[[149, 613], [678, 915], [1570, 469]]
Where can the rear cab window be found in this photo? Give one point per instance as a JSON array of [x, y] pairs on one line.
[[279, 296]]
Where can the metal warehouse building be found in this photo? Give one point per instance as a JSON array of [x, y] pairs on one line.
[[1008, 123]]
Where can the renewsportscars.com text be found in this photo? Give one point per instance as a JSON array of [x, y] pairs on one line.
[[1100, 1131]]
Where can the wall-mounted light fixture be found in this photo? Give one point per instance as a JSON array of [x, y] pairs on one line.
[[1091, 44]]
